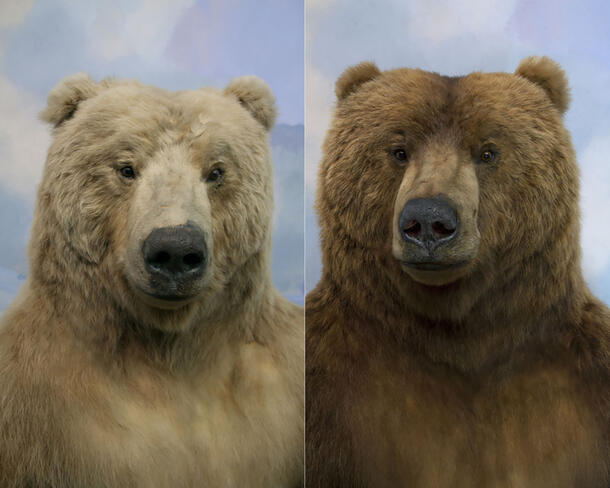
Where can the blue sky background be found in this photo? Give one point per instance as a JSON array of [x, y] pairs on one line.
[[175, 44], [458, 37]]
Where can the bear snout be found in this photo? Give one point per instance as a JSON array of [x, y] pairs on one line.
[[175, 258], [428, 222]]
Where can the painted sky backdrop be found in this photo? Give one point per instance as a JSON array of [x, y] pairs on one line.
[[458, 37], [175, 44]]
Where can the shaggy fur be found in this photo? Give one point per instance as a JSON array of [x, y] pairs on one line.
[[493, 374], [102, 386], [353, 77]]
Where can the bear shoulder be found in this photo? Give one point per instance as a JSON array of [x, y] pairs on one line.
[[589, 343]]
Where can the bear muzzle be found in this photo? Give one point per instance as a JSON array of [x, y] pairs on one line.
[[175, 260], [428, 223], [430, 243]]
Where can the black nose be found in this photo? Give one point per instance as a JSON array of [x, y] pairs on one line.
[[428, 222], [176, 253]]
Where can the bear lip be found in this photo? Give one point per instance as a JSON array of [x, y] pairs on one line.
[[173, 298], [433, 266], [165, 301]]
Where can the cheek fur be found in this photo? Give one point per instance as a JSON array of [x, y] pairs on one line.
[[241, 223], [362, 195], [84, 210]]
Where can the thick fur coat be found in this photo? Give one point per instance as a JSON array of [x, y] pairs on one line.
[[105, 383], [489, 366]]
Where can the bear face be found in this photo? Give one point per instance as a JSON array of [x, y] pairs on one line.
[[449, 182], [158, 197]]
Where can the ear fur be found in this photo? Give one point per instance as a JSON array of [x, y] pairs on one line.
[[256, 97], [353, 77], [548, 75], [64, 98]]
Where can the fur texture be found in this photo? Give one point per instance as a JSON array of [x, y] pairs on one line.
[[355, 76], [255, 95], [102, 385], [547, 74], [490, 373]]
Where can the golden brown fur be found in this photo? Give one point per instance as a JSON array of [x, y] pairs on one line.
[[492, 375], [101, 388]]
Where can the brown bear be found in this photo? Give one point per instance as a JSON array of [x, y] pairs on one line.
[[452, 341], [149, 347]]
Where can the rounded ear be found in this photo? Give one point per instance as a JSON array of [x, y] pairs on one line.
[[256, 97], [353, 77], [64, 98], [549, 76]]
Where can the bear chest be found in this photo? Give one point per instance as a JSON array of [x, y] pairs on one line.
[[236, 426], [429, 428]]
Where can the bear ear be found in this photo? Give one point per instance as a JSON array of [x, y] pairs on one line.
[[549, 76], [65, 97], [255, 96], [353, 77]]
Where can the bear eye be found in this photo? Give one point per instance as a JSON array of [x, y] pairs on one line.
[[215, 175], [400, 155], [127, 172], [488, 156]]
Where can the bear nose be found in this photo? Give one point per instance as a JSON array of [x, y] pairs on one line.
[[175, 252], [428, 222]]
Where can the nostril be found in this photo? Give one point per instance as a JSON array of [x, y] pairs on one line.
[[428, 222], [159, 258], [192, 260], [442, 229], [412, 228], [175, 253]]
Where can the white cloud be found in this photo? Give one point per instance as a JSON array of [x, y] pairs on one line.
[[13, 12], [23, 139], [440, 20], [595, 190], [117, 28]]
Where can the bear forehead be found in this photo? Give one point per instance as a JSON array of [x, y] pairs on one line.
[[409, 95], [133, 106]]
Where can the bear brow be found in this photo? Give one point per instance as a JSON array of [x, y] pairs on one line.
[[133, 142], [218, 149]]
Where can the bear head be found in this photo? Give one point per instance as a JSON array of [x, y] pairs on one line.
[[434, 191], [156, 202]]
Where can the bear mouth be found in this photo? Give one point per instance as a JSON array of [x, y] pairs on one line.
[[172, 298], [165, 300], [433, 266]]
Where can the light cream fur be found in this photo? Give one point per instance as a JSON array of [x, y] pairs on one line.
[[102, 386], [256, 96]]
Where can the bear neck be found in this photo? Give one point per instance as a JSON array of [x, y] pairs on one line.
[[480, 321], [85, 309]]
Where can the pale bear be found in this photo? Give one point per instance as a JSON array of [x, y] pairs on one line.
[[149, 347]]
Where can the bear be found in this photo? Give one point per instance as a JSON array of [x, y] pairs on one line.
[[451, 340], [148, 345]]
